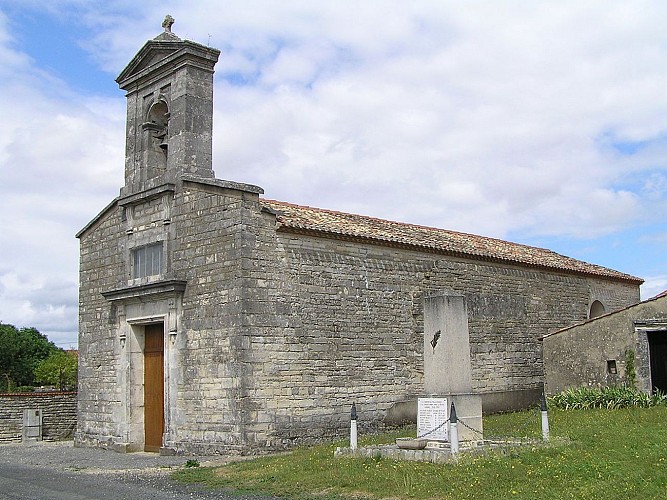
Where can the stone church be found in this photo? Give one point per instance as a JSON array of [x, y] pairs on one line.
[[213, 319]]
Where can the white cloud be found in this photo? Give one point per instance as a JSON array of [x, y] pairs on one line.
[[510, 108], [538, 118], [653, 286], [59, 159]]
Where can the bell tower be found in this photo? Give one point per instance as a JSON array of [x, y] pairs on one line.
[[169, 85]]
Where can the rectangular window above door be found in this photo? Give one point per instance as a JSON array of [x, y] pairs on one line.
[[147, 261]]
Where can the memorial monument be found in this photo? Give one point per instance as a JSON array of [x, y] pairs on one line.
[[447, 370]]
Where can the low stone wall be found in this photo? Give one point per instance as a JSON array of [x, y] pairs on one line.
[[58, 415]]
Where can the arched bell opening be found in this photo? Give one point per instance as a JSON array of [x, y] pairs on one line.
[[158, 116], [157, 127]]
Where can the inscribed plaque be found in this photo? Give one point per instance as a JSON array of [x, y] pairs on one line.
[[432, 416]]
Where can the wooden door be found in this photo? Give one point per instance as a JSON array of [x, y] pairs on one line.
[[153, 387]]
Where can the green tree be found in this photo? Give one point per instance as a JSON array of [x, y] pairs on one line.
[[20, 352], [59, 369]]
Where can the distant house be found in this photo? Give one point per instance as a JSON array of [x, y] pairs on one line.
[[606, 350], [212, 319]]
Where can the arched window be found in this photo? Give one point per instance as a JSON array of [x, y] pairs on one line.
[[597, 309]]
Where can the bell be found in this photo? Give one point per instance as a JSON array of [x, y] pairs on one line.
[[162, 137]]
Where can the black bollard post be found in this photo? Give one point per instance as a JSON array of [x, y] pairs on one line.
[[454, 431], [353, 427], [545, 417]]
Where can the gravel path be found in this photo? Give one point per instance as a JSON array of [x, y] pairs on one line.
[[62, 455], [47, 470]]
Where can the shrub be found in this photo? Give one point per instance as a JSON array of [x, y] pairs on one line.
[[59, 370], [623, 396]]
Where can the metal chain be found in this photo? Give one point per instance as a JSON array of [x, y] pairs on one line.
[[527, 421], [459, 421], [529, 418], [433, 430]]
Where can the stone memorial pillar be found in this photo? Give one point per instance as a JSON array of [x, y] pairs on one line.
[[447, 367]]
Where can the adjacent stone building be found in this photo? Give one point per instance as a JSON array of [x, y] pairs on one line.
[[213, 319], [628, 346]]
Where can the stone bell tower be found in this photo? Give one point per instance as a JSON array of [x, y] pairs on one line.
[[169, 85]]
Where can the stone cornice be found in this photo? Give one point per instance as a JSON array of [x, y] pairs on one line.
[[146, 291], [176, 53], [146, 195], [219, 183]]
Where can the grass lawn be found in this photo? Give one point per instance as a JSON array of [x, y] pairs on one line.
[[609, 454]]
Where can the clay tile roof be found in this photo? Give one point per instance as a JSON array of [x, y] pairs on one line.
[[302, 219]]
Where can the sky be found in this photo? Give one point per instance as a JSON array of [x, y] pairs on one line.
[[538, 122]]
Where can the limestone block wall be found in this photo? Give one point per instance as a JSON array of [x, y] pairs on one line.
[[209, 252], [58, 415], [353, 328], [205, 242], [101, 268], [349, 335]]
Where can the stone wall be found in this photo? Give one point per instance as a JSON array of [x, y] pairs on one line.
[[58, 415], [101, 268], [352, 327], [579, 356], [214, 228]]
